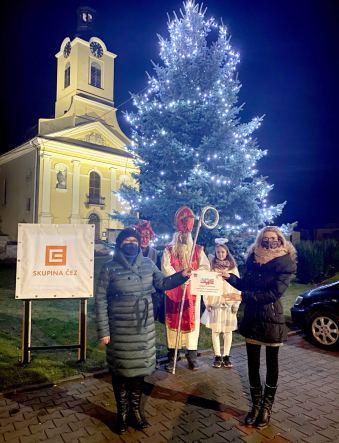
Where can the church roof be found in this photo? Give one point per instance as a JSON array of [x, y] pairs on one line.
[[88, 145]]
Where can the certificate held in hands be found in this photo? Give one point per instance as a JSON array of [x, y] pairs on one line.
[[206, 283]]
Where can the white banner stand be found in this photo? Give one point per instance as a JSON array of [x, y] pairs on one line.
[[54, 261]]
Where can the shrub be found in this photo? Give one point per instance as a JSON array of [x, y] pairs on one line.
[[331, 256], [317, 260]]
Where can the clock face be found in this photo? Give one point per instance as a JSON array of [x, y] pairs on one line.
[[96, 49], [67, 49]]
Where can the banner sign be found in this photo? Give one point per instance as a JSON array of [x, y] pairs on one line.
[[206, 283], [55, 261]]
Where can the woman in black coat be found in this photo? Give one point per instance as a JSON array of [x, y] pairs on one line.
[[125, 322], [270, 266]]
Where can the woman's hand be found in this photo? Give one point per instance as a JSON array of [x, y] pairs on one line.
[[105, 340], [187, 272], [224, 273]]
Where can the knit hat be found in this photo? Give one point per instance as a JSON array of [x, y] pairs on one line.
[[125, 233]]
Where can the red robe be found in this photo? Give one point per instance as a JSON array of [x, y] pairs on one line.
[[173, 299]]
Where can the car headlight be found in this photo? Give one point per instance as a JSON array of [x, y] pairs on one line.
[[298, 300]]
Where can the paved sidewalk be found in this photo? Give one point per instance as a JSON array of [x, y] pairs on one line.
[[203, 406]]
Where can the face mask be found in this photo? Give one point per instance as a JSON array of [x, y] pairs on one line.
[[130, 249], [270, 244]]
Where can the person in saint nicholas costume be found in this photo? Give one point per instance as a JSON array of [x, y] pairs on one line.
[[176, 257]]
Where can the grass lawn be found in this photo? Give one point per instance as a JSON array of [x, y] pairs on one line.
[[56, 322]]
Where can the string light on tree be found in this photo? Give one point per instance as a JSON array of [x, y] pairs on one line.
[[189, 141]]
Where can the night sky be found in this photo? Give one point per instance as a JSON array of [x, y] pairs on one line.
[[289, 72]]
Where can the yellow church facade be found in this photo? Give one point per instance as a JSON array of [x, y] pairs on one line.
[[68, 173]]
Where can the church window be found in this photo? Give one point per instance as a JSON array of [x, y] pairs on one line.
[[95, 75], [94, 188], [67, 79]]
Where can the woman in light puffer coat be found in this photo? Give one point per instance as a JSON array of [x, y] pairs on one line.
[[125, 322]]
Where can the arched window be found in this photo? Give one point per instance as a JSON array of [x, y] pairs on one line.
[[94, 219], [95, 75], [94, 188], [67, 79]]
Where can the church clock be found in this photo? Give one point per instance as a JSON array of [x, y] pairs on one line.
[[96, 49], [67, 49]]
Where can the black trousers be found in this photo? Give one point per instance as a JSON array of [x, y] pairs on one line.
[[272, 364]]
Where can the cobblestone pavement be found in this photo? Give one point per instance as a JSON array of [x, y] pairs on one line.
[[203, 406]]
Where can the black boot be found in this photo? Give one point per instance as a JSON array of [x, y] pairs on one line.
[[227, 362], [170, 364], [192, 360], [121, 394], [136, 418], [251, 417], [266, 407], [217, 361]]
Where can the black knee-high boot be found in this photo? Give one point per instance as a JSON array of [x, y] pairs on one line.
[[136, 417], [121, 393], [256, 393], [266, 407]]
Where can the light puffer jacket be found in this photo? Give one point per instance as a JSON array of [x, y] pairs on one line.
[[124, 312]]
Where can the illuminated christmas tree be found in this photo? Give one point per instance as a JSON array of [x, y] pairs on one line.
[[188, 140]]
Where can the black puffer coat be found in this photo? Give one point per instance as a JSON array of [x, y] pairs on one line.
[[125, 312], [262, 287]]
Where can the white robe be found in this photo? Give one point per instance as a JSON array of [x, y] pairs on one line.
[[218, 314], [189, 340]]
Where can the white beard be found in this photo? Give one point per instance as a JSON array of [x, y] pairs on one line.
[[182, 250]]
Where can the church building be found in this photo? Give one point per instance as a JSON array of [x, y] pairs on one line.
[[67, 173]]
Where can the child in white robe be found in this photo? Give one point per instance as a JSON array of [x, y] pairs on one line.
[[221, 312]]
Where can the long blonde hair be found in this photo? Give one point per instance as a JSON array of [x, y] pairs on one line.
[[284, 243]]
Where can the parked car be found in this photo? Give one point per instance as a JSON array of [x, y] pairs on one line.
[[316, 311]]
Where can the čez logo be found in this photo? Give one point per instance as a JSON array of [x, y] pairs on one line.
[[55, 255]]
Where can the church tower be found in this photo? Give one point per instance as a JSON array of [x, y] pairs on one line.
[[85, 79], [85, 69], [69, 172]]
